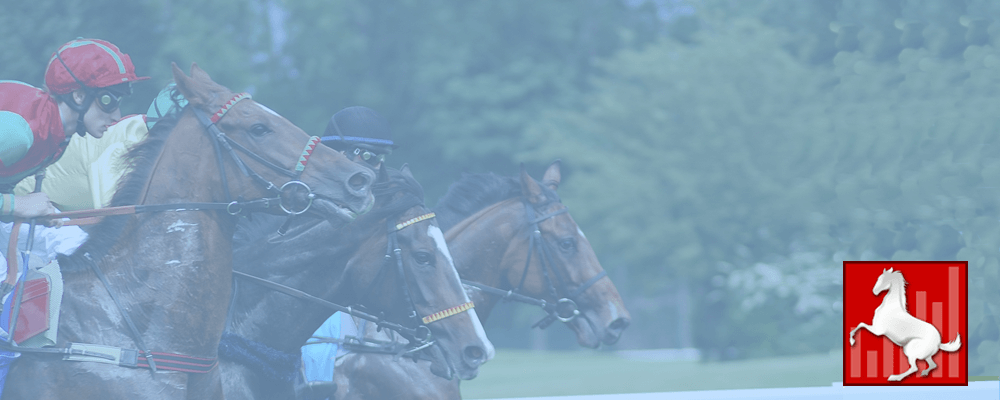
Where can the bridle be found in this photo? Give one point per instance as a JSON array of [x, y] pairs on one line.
[[221, 141], [413, 348], [394, 252], [565, 309], [143, 357], [414, 329]]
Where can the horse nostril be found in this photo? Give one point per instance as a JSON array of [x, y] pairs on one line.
[[618, 325], [359, 181], [474, 355]]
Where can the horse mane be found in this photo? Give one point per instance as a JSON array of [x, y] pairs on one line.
[[474, 192], [896, 279], [141, 160]]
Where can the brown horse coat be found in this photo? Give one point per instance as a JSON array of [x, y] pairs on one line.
[[487, 232], [172, 270]]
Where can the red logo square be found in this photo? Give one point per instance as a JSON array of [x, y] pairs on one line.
[[933, 324]]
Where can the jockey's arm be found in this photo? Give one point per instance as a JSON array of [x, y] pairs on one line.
[[86, 177], [29, 205]]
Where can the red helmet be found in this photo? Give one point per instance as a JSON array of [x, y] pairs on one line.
[[92, 63]]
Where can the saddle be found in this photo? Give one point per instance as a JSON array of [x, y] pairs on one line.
[[38, 317]]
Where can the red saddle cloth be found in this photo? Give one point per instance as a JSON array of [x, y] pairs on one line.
[[33, 318]]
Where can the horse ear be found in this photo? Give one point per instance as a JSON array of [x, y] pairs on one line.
[[405, 170], [890, 269], [199, 74], [553, 175], [531, 190], [192, 90]]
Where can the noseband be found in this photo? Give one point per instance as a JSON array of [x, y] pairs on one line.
[[565, 309], [221, 141]]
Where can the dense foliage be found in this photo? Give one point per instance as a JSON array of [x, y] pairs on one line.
[[724, 157]]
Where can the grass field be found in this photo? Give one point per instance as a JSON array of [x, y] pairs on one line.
[[516, 373]]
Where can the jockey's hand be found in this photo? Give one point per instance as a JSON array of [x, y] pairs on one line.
[[33, 205], [52, 222]]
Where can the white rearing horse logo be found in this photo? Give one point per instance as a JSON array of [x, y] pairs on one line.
[[919, 339]]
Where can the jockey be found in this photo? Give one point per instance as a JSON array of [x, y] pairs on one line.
[[85, 81], [361, 134], [364, 137], [87, 176]]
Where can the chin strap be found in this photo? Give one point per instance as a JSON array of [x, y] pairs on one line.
[[81, 109]]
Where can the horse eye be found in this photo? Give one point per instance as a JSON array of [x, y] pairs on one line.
[[567, 244], [259, 130], [423, 258]]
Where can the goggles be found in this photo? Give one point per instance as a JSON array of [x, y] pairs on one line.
[[107, 101], [369, 157]]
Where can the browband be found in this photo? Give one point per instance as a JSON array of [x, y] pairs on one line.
[[447, 313], [414, 220], [216, 116]]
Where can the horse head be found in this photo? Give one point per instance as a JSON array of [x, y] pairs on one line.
[[416, 282], [574, 265], [273, 152], [885, 281]]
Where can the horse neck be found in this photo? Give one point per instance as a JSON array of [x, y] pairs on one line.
[[478, 245], [177, 263], [187, 158], [317, 266], [896, 296]]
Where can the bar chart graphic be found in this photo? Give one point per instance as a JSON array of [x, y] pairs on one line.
[[935, 292]]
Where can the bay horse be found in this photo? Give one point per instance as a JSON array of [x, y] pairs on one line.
[[347, 265], [168, 273], [490, 222]]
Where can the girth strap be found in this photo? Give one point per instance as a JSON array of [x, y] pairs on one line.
[[132, 358], [178, 362]]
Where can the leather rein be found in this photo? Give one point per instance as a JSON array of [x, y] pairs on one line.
[[143, 357], [565, 309], [419, 335]]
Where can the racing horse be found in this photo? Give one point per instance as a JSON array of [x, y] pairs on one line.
[[149, 291], [362, 263], [512, 238]]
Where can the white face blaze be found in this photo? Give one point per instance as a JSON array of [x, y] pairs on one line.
[[435, 233], [614, 310], [580, 232], [268, 110], [442, 246]]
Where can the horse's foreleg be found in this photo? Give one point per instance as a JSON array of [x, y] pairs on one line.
[[930, 365], [861, 325], [913, 368]]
